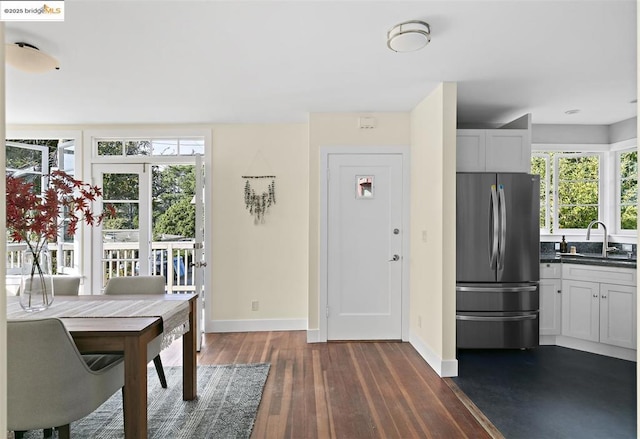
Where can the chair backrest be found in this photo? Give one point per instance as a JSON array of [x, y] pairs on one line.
[[66, 285], [63, 285], [136, 285], [48, 382]]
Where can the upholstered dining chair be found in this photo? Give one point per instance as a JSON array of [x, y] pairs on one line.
[[65, 285], [142, 285], [49, 383]]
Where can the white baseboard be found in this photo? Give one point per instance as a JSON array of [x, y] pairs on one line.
[[588, 346], [313, 336], [548, 340], [256, 325], [596, 348], [444, 368]]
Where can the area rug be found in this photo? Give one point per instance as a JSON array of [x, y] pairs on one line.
[[226, 407]]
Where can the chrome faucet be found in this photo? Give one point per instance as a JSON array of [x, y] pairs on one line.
[[605, 240]]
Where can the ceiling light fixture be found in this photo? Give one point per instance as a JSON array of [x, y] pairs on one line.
[[409, 36], [29, 58], [575, 111]]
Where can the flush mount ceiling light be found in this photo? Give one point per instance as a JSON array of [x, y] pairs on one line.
[[574, 111], [29, 58], [409, 36]]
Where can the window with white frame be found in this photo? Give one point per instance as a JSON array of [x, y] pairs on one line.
[[33, 160], [150, 147], [627, 190], [577, 189], [540, 165], [569, 189]]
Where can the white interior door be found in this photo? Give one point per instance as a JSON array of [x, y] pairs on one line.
[[364, 246]]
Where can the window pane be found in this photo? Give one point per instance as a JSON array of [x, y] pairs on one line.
[[579, 168], [126, 219], [628, 191], [629, 217], [628, 196], [23, 158], [629, 164], [539, 167], [138, 147], [165, 147], [191, 146], [120, 186], [69, 160], [173, 212], [577, 217], [579, 192], [106, 147]]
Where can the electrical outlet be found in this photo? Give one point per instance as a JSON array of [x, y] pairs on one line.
[[557, 246], [255, 305]]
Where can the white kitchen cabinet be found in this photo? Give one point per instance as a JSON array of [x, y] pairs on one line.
[[617, 315], [550, 299], [498, 150], [581, 309], [595, 309]]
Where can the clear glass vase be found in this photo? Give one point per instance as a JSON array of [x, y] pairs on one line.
[[36, 284]]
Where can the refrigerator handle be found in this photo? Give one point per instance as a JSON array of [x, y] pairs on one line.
[[496, 318], [503, 228], [493, 233]]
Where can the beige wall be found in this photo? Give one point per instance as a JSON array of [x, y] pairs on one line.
[[268, 261], [341, 129], [432, 278]]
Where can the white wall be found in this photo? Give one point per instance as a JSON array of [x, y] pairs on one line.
[[568, 134], [584, 134], [433, 233], [623, 130], [266, 262]]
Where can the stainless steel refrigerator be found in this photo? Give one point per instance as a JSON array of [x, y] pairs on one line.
[[498, 260]]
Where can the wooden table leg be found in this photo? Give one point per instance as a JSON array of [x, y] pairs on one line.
[[135, 388], [189, 373]]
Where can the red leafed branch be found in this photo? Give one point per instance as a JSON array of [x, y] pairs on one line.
[[36, 218]]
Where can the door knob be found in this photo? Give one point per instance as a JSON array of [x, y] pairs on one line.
[[395, 258]]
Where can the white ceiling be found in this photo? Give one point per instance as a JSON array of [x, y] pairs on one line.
[[275, 61]]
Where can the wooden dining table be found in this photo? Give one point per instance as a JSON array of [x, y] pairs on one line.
[[127, 335]]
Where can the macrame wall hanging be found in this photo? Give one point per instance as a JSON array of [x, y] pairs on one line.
[[258, 203]]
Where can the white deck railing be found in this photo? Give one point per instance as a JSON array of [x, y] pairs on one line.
[[171, 259]]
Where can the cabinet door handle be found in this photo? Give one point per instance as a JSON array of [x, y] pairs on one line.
[[604, 297], [595, 295], [559, 291]]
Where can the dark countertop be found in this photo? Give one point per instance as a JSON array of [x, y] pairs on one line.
[[614, 260]]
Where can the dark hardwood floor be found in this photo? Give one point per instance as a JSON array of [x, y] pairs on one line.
[[342, 390]]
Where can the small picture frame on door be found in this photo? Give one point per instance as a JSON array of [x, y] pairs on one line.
[[364, 186]]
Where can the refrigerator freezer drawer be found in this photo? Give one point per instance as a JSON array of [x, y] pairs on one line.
[[497, 330], [497, 297]]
